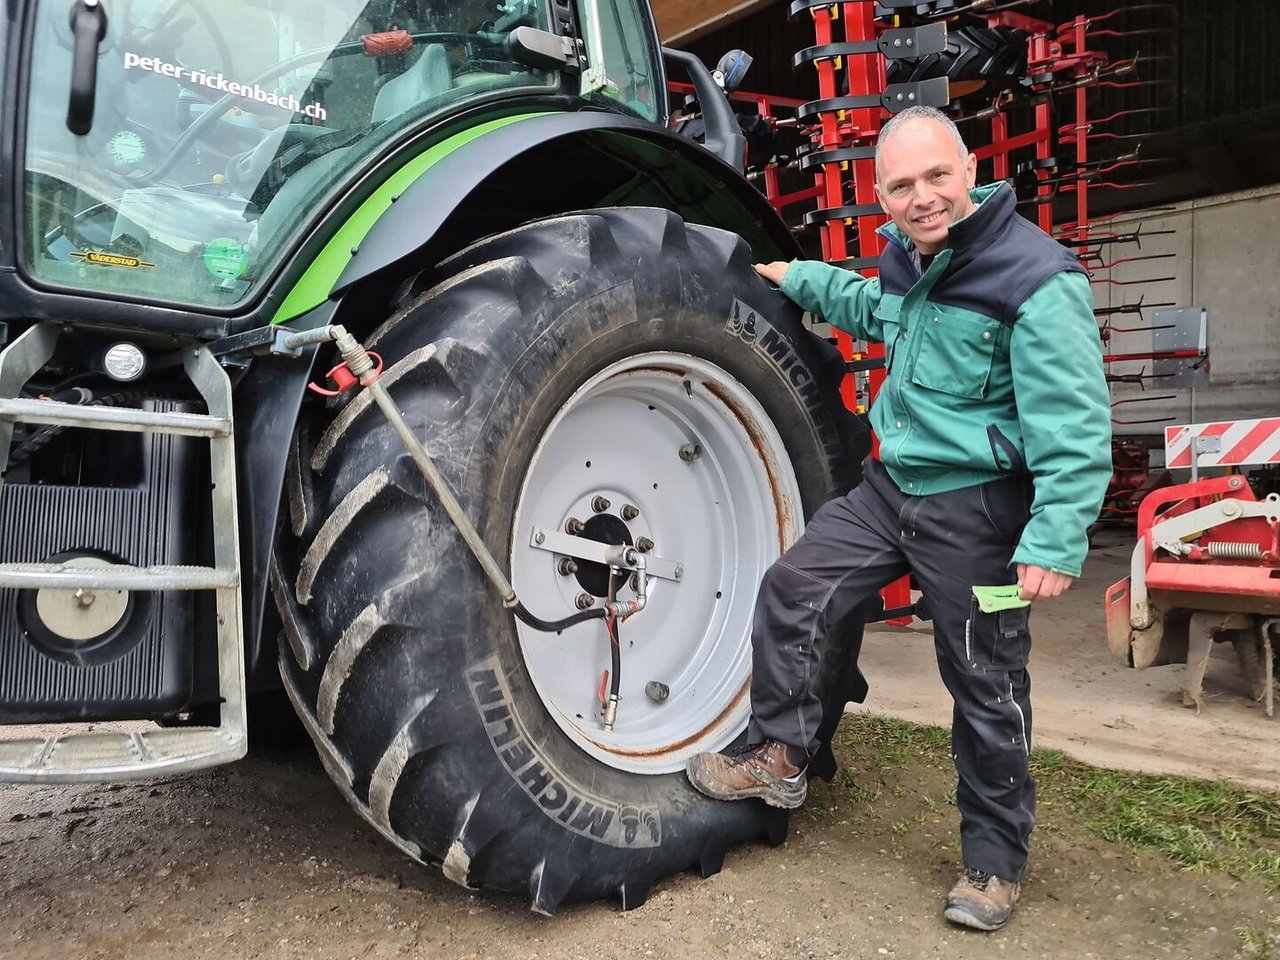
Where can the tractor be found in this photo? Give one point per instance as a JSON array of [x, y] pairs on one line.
[[395, 358]]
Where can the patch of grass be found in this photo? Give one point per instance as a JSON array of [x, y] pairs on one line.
[[1202, 825], [1258, 944]]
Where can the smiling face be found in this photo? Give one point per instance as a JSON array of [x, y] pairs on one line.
[[923, 182]]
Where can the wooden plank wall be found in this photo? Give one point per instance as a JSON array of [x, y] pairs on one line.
[[682, 20]]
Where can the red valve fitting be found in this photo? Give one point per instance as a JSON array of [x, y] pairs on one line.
[[343, 379]]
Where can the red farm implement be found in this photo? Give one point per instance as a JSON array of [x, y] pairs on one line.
[[1206, 567]]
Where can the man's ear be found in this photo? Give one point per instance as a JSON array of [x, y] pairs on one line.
[[971, 171]]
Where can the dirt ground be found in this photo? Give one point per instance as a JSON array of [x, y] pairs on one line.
[[263, 859]]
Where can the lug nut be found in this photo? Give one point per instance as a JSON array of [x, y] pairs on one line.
[[644, 544], [629, 512], [657, 691], [573, 526], [690, 452], [584, 601], [599, 504], [634, 582], [567, 566]]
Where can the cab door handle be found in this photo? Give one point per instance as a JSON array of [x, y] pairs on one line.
[[88, 27]]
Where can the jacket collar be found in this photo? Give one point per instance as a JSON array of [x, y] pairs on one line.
[[993, 206]]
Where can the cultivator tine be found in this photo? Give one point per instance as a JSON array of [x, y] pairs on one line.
[[1127, 400], [1134, 84], [1126, 10], [1139, 379], [980, 6], [1097, 255], [1073, 226], [1069, 132], [1107, 329], [1108, 238], [1108, 185], [1147, 32], [1129, 308], [1132, 283]]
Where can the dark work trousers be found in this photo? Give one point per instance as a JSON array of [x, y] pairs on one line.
[[853, 546]]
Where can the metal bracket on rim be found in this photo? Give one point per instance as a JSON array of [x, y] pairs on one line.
[[580, 548]]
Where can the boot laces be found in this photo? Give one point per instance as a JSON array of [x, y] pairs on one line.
[[978, 879], [750, 753]]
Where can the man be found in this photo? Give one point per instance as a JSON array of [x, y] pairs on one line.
[[994, 428]]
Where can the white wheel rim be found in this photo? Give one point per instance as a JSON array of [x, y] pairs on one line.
[[723, 517]]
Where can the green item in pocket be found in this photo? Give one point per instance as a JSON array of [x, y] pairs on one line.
[[995, 599]]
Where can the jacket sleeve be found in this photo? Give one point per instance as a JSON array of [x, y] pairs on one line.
[[841, 297], [1064, 410]]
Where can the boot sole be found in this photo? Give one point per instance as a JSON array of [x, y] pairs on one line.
[[770, 795], [964, 918]]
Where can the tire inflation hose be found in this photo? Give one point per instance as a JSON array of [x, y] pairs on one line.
[[554, 626]]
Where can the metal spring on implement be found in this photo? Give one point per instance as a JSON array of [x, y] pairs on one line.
[[1228, 550]]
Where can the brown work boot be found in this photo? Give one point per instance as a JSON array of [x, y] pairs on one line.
[[981, 901], [763, 771]]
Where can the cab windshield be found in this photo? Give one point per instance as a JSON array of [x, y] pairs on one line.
[[220, 126]]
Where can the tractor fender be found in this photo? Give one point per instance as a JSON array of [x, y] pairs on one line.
[[266, 401], [565, 162]]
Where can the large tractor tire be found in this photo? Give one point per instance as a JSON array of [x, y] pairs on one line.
[[617, 355], [984, 60]]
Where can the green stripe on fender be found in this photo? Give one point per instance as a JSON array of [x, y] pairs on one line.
[[314, 286]]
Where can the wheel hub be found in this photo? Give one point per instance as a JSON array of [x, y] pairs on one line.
[[602, 528], [708, 525]]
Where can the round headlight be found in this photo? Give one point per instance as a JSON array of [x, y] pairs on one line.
[[124, 361]]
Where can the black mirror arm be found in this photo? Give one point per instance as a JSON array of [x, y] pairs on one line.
[[724, 136]]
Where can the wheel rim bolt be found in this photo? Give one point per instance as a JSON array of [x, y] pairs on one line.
[[567, 566], [584, 601], [573, 526], [629, 512], [644, 544], [599, 504], [690, 452]]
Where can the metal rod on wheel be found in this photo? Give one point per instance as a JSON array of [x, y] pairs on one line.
[[362, 367]]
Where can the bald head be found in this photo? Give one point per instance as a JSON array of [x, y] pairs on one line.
[[913, 115], [923, 176]]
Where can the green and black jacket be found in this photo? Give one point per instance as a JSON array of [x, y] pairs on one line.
[[995, 367]]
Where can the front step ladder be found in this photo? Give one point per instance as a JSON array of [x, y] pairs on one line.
[[81, 757]]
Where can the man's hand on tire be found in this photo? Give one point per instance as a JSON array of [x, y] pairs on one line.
[[1037, 583], [773, 272]]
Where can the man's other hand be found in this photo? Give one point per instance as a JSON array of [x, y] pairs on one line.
[[773, 272], [1037, 583]]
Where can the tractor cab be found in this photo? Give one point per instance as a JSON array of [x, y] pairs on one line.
[[175, 151]]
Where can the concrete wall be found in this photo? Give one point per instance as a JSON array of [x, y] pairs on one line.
[[1228, 260]]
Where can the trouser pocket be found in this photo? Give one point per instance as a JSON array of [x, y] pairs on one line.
[[997, 641]]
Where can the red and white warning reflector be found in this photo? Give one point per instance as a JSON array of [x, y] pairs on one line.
[[1229, 443]]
